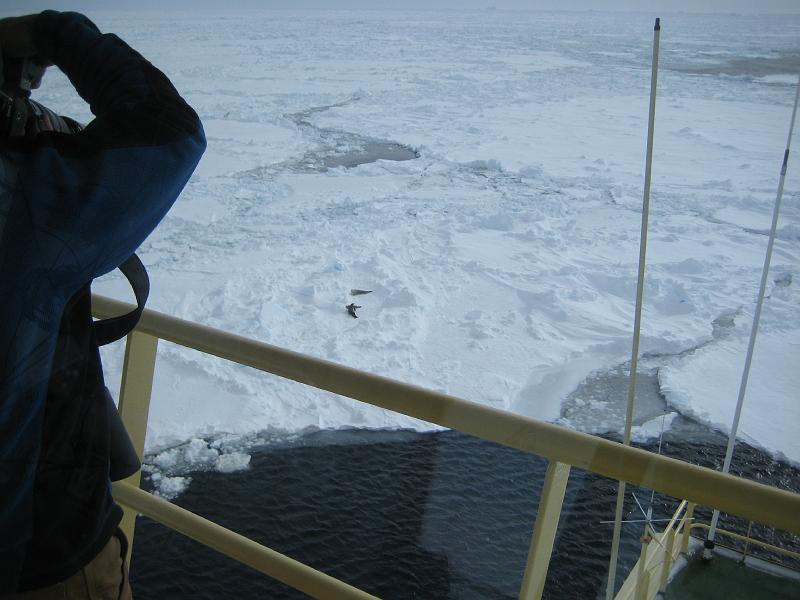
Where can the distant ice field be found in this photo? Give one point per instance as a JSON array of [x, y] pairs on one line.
[[502, 261]]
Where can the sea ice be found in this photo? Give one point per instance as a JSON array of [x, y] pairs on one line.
[[230, 463], [503, 259], [705, 385]]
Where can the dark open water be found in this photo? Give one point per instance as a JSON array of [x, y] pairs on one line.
[[410, 516]]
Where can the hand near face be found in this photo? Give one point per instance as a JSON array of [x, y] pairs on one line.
[[17, 40]]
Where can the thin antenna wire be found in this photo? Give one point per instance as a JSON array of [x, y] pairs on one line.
[[756, 319], [640, 521], [612, 568], [660, 440]]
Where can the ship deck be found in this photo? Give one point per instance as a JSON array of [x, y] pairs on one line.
[[727, 577]]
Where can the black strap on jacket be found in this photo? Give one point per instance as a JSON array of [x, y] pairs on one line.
[[124, 460], [116, 328]]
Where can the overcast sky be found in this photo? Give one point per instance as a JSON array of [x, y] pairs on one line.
[[650, 6]]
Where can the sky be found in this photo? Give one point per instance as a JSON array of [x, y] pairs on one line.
[[663, 6]]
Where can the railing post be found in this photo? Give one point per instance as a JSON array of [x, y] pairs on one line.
[[747, 542], [134, 404], [687, 527], [544, 530], [667, 564], [643, 576]]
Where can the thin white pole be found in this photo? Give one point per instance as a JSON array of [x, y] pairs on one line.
[[637, 326], [709, 545]]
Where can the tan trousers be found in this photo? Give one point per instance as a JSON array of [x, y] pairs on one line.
[[104, 578]]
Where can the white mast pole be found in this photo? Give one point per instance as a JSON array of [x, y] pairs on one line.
[[709, 543], [612, 568]]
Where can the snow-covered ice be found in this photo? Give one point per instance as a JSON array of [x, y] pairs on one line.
[[169, 468], [502, 261]]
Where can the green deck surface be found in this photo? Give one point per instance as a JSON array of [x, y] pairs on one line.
[[727, 579]]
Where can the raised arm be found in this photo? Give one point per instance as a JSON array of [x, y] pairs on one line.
[[73, 207]]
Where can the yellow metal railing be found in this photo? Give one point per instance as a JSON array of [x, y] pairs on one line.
[[562, 446], [748, 540], [650, 574], [659, 551]]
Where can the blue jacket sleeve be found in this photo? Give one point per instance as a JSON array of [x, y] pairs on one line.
[[78, 206], [112, 183]]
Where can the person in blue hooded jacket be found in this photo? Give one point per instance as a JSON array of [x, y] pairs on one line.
[[73, 206]]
